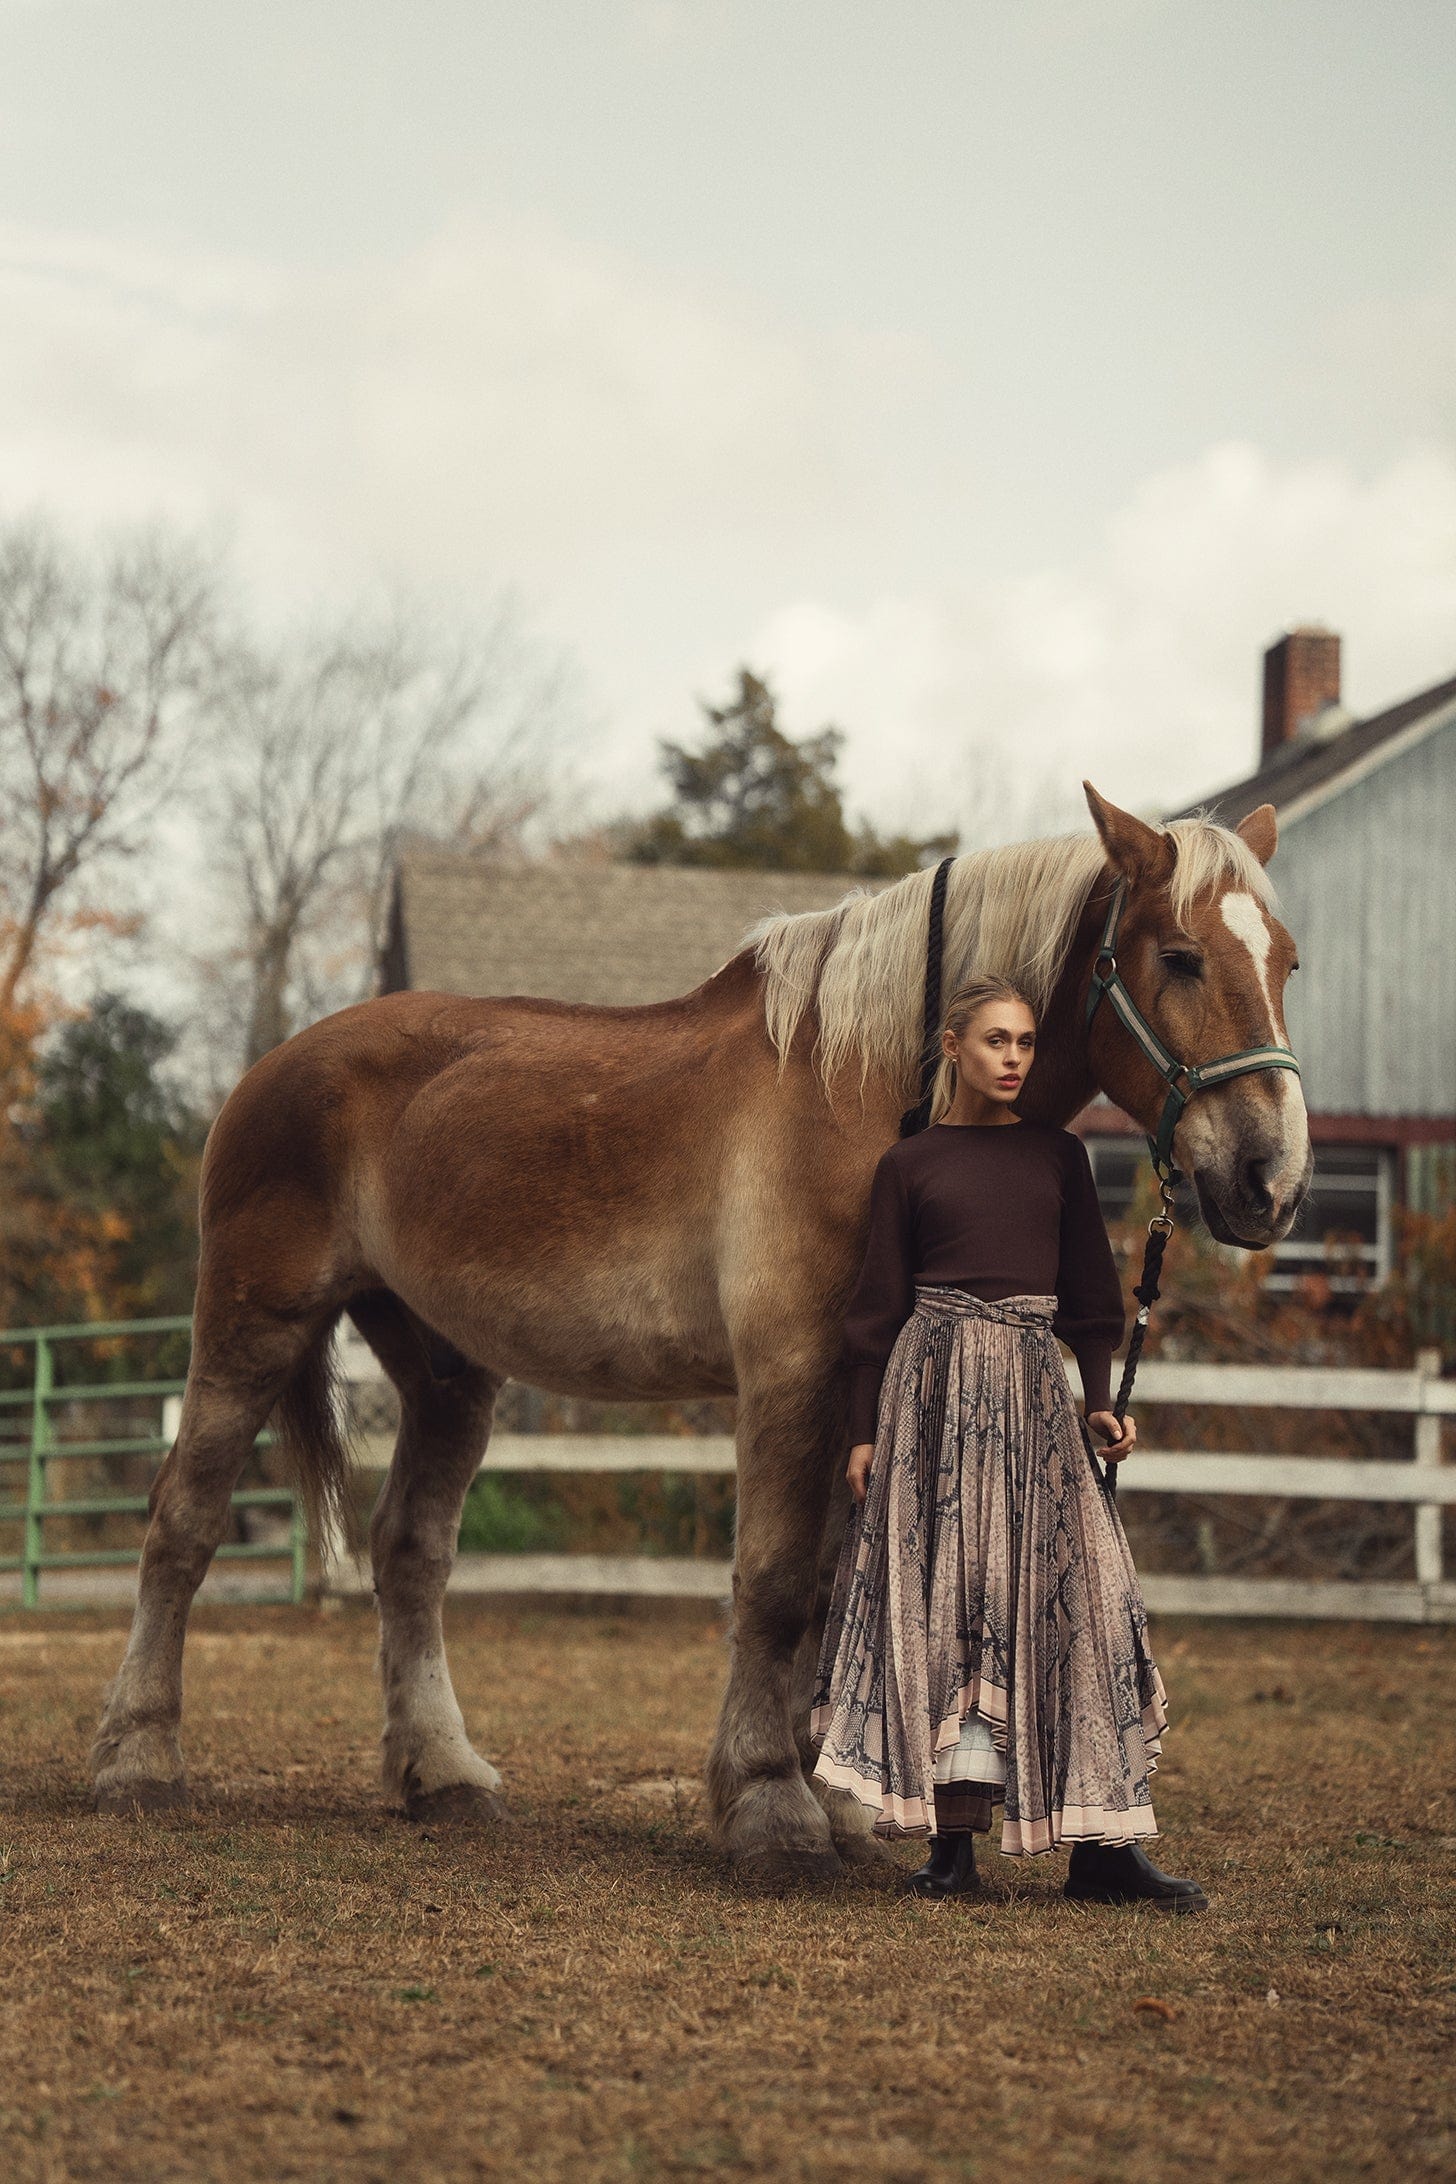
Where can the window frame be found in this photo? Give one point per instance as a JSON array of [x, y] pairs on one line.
[[1295, 1258]]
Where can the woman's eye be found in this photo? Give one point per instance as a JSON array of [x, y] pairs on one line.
[[1183, 963]]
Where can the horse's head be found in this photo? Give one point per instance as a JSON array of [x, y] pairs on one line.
[[1205, 965]]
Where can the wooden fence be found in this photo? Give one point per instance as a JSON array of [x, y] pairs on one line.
[[1424, 1482]]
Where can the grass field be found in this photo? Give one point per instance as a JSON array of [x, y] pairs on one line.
[[289, 1982]]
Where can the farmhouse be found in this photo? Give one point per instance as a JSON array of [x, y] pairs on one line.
[[1366, 875]]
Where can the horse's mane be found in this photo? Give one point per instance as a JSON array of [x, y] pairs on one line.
[[1010, 912]]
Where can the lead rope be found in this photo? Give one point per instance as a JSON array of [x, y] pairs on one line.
[[1160, 1229]]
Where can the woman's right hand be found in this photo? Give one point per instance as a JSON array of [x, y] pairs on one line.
[[858, 1473]]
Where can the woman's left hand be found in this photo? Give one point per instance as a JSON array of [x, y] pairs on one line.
[[1118, 1440]]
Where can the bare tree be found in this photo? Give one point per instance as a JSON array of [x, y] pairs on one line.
[[334, 746], [102, 666]]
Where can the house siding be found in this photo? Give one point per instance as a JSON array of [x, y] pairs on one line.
[[1367, 885]]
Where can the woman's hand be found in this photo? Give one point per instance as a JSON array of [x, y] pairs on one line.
[[1118, 1440], [858, 1473]]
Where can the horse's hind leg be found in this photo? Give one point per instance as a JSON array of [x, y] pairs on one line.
[[430, 1765], [233, 1385]]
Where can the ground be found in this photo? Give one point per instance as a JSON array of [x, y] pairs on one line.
[[289, 1982]]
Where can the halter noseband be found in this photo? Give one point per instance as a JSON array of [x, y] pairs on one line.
[[1183, 1079]]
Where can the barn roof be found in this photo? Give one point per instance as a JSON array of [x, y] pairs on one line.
[[1310, 767], [614, 933]]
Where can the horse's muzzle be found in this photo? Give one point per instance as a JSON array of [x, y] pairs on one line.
[[1249, 1208]]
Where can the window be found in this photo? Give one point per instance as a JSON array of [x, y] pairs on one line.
[[1346, 1217], [1345, 1220]]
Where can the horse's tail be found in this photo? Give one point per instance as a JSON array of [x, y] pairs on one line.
[[311, 1422]]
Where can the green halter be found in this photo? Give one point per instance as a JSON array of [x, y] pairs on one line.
[[1183, 1079]]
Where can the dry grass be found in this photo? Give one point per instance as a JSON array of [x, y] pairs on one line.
[[290, 1983]]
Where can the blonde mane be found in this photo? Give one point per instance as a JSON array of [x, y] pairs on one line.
[[1009, 913]]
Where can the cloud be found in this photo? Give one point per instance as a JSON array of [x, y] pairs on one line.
[[498, 401], [1139, 663], [657, 463]]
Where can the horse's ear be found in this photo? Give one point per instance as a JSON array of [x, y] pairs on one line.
[[1134, 849], [1260, 831]]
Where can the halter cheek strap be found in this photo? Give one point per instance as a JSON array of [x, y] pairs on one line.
[[1183, 1079]]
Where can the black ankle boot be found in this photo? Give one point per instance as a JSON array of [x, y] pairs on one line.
[[1104, 1873], [950, 1870]]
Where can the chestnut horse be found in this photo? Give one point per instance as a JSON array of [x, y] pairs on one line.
[[659, 1202]]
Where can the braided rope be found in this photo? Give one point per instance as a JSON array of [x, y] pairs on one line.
[[1160, 1229]]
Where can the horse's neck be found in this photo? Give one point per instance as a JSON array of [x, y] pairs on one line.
[[1062, 1082]]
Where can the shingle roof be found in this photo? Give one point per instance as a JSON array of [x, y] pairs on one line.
[[1310, 762], [613, 933]]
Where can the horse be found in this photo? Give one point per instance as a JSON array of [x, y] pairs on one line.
[[657, 1202]]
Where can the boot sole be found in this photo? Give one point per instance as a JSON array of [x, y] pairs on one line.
[[1170, 1906]]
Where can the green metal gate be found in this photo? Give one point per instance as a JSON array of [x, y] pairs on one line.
[[37, 1358]]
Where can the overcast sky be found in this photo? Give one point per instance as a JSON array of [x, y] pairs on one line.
[[999, 378]]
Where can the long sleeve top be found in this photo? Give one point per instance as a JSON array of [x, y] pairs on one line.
[[1002, 1210]]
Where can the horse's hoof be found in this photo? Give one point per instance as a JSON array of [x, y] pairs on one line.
[[461, 1804], [850, 1830], [864, 1851], [123, 1800], [804, 1865]]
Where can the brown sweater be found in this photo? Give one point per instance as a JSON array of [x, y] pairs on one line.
[[1003, 1210]]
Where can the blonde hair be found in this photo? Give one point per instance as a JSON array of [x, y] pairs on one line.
[[960, 1011], [858, 970]]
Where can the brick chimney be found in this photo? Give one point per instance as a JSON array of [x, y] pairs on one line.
[[1301, 677]]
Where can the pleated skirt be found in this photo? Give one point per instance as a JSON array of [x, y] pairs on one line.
[[986, 1630]]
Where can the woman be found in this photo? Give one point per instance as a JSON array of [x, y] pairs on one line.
[[987, 1639]]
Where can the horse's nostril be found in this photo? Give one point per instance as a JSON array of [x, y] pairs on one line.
[[1256, 1185]]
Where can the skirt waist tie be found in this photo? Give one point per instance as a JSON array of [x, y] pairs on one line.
[[935, 1300]]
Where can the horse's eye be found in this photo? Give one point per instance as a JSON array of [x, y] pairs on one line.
[[1183, 963]]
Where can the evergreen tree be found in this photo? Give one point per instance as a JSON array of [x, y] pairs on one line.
[[114, 1158], [754, 797]]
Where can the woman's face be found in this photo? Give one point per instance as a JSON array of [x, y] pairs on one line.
[[994, 1050]]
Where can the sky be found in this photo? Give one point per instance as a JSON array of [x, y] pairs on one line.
[[999, 380]]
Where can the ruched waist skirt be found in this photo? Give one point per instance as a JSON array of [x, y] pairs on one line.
[[985, 1601]]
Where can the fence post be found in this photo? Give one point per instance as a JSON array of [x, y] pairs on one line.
[[298, 1553], [35, 1487], [1429, 1560]]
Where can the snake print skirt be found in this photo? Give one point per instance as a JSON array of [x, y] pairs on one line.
[[985, 1592]]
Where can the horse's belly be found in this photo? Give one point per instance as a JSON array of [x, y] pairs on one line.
[[568, 1251], [610, 1329]]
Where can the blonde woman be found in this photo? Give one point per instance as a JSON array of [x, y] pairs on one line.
[[987, 1640]]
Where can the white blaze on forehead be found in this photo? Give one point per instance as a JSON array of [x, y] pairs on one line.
[[1243, 914], [1248, 921]]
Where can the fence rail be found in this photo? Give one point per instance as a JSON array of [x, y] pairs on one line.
[[30, 1436], [39, 1445], [1423, 1483]]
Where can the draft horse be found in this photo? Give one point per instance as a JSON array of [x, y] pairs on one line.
[[655, 1202]]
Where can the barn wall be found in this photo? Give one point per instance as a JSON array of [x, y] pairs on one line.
[[1367, 884]]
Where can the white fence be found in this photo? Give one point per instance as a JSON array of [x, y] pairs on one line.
[[1424, 1482]]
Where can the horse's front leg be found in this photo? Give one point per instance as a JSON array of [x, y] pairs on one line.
[[765, 1816]]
